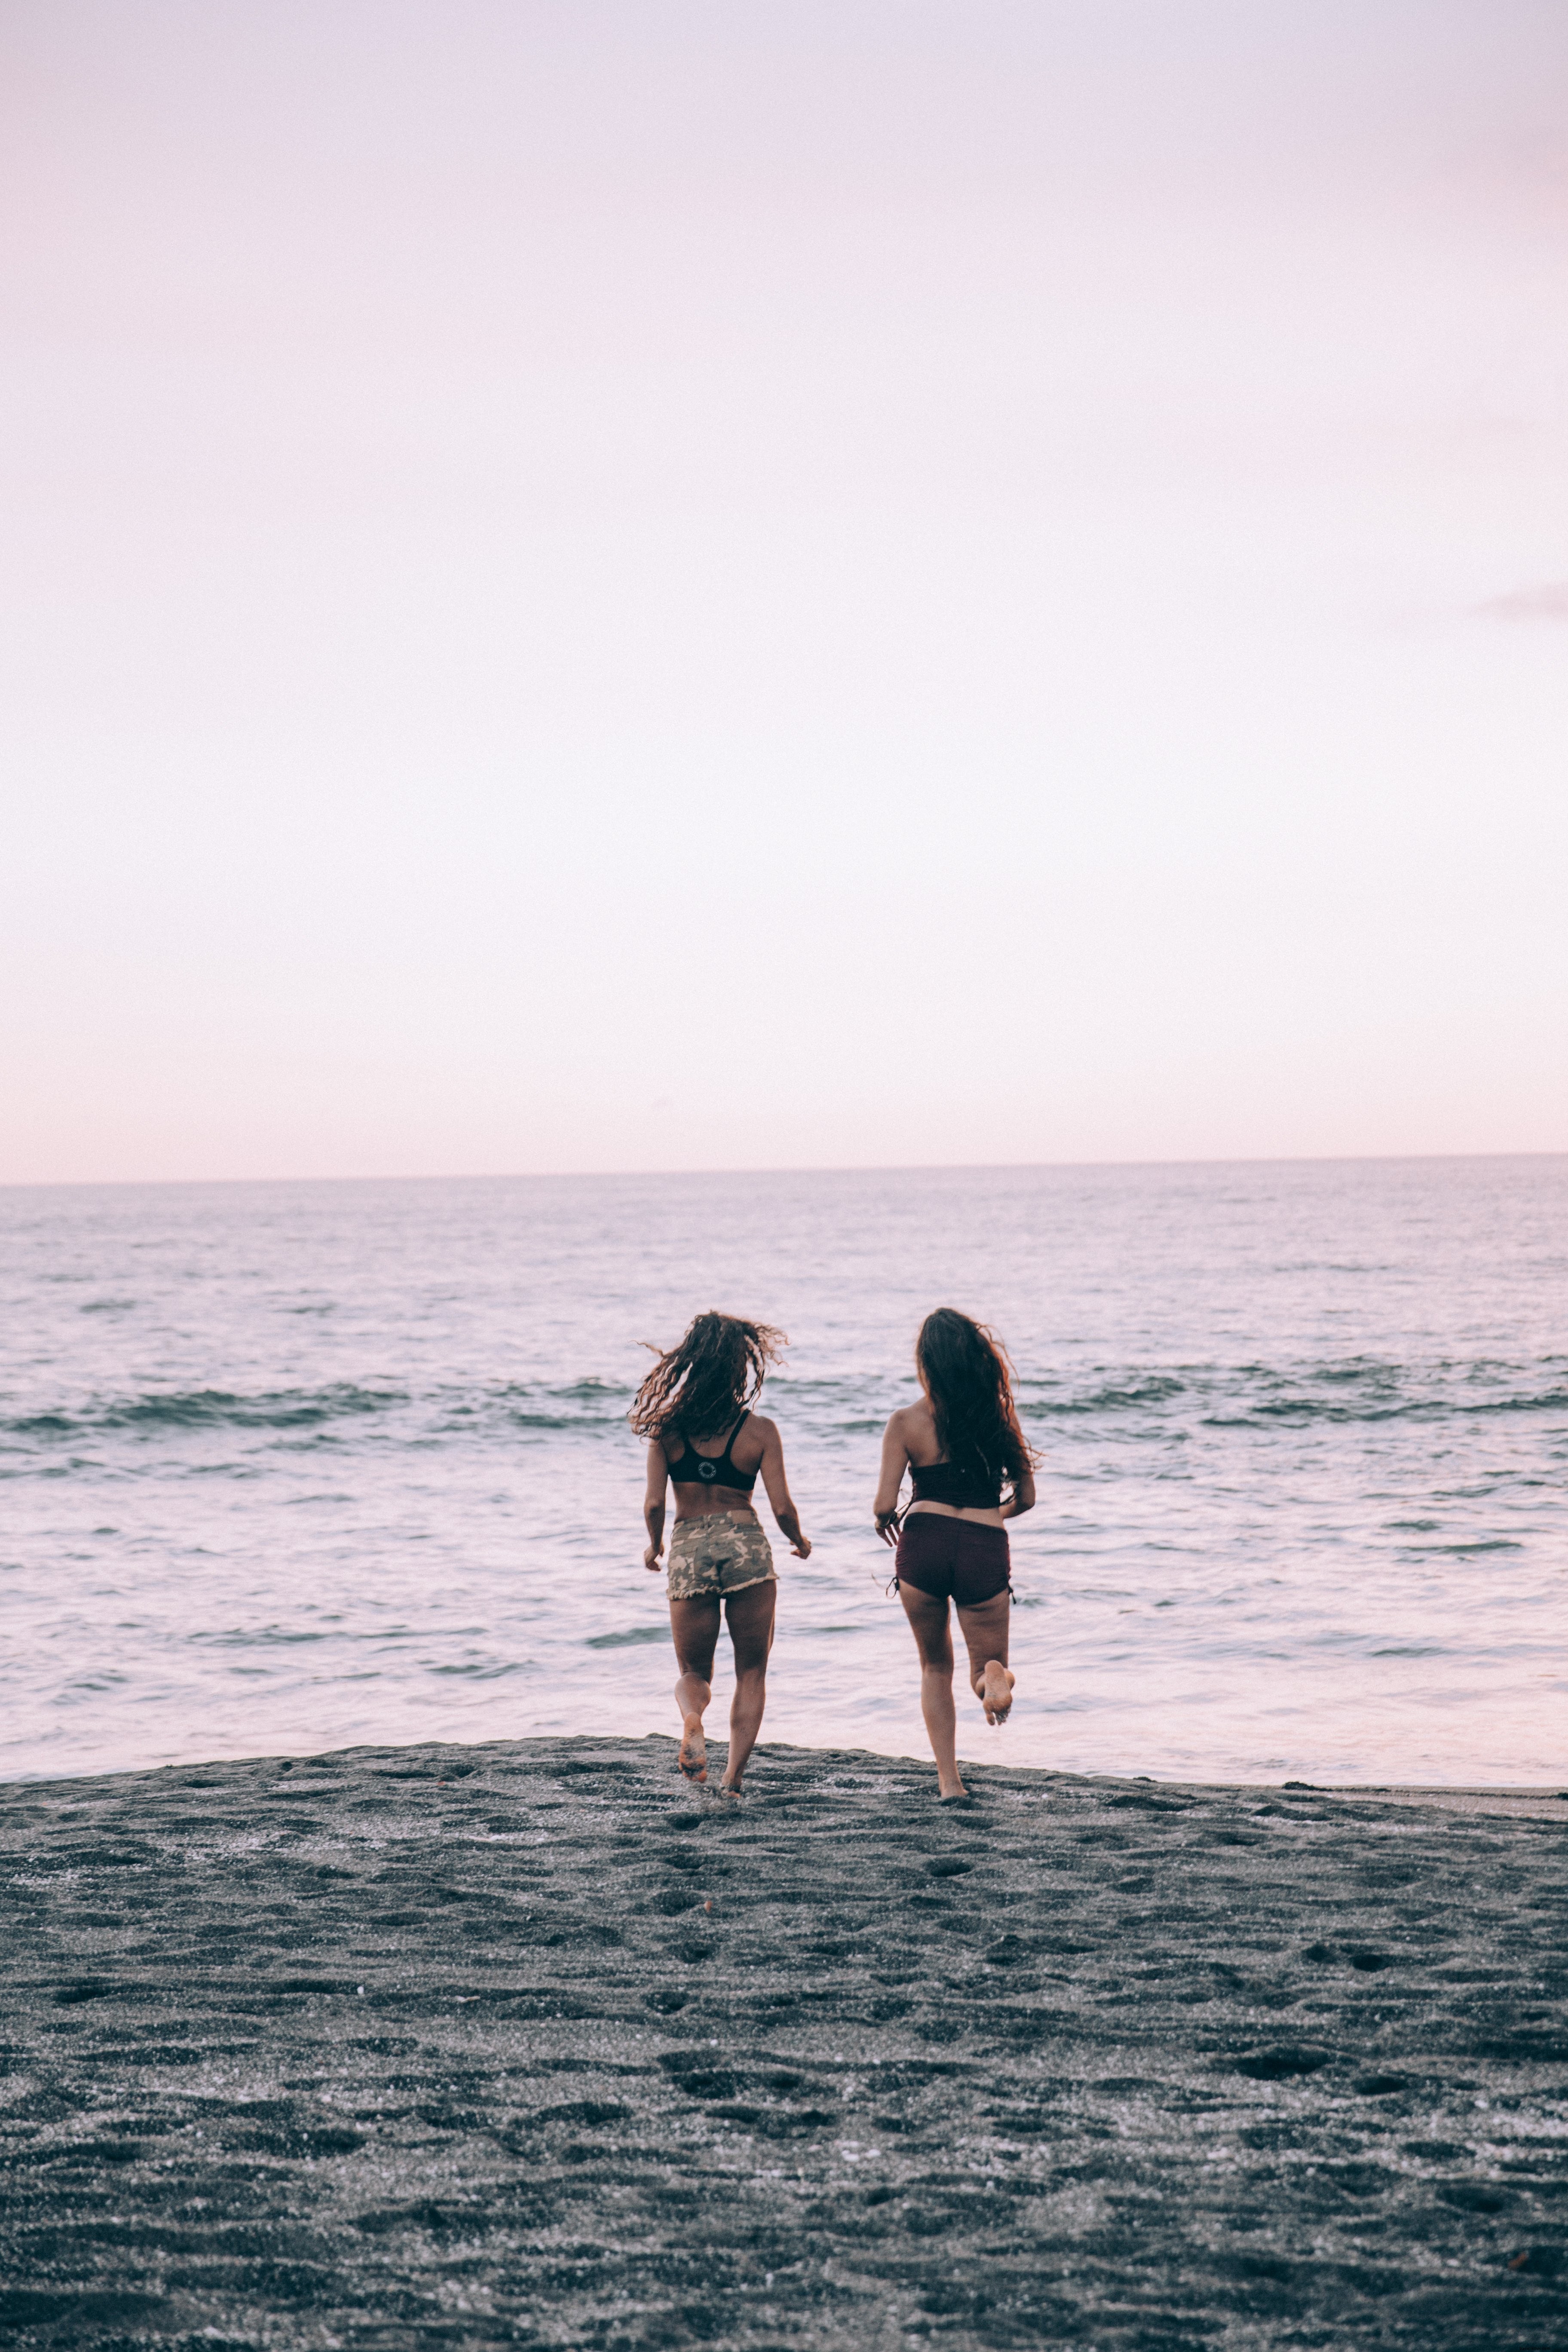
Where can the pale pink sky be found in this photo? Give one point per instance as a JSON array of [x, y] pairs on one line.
[[647, 585]]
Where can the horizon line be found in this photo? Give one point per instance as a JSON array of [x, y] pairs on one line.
[[826, 1167]]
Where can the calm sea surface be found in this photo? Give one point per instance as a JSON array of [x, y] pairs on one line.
[[287, 1466]]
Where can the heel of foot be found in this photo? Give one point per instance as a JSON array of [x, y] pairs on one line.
[[996, 1694], [694, 1758]]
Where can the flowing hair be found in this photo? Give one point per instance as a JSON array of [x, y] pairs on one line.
[[969, 1380], [700, 1387]]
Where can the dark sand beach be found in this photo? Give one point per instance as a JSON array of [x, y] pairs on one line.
[[530, 2044]]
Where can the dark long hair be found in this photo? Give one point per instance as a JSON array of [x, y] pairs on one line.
[[969, 1380], [699, 1388]]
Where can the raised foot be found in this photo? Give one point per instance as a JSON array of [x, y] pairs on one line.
[[693, 1756], [996, 1691]]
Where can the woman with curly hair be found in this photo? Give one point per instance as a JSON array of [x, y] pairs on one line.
[[694, 1409], [961, 1444]]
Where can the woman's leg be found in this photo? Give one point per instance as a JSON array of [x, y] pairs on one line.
[[695, 1625], [985, 1628], [928, 1624], [751, 1616]]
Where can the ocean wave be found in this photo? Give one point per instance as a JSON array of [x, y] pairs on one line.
[[1152, 1401], [1124, 1395], [1272, 1396], [183, 1409], [1297, 1412], [581, 1406]]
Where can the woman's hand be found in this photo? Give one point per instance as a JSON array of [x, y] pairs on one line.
[[776, 1488], [653, 1505], [895, 1462], [1022, 1497]]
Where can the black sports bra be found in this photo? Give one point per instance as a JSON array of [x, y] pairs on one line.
[[698, 1470], [945, 1482]]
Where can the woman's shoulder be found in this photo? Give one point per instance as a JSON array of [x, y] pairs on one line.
[[911, 1420]]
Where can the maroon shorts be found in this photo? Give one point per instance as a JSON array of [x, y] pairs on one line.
[[952, 1560]]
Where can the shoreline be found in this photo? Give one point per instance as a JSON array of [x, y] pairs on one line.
[[1543, 1798], [530, 2043]]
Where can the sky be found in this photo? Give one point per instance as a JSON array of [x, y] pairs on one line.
[[668, 585]]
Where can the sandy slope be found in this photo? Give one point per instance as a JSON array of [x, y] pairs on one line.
[[529, 2044]]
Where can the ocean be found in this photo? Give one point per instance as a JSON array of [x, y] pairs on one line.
[[288, 1466]]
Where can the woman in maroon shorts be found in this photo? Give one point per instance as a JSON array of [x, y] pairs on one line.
[[961, 1444]]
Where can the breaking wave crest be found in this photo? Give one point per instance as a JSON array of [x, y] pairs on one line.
[[209, 1409], [1262, 1396], [575, 1405], [1133, 1402]]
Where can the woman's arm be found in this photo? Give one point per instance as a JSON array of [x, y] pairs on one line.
[[777, 1486], [1022, 1497], [895, 1462], [653, 1503]]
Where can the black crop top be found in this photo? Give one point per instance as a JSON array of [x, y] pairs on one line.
[[698, 1470], [945, 1482]]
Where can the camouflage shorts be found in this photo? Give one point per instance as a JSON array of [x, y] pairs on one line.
[[720, 1552]]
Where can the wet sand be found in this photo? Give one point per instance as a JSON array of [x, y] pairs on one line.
[[530, 2044]]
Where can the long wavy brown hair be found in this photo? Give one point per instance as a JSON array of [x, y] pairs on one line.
[[969, 1380], [702, 1386]]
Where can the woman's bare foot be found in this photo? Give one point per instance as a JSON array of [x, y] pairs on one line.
[[995, 1691], [949, 1793], [693, 1756]]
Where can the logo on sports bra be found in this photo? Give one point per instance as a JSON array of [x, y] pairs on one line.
[[707, 1469]]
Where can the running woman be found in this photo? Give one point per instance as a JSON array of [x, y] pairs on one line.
[[694, 1409], [961, 1445]]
